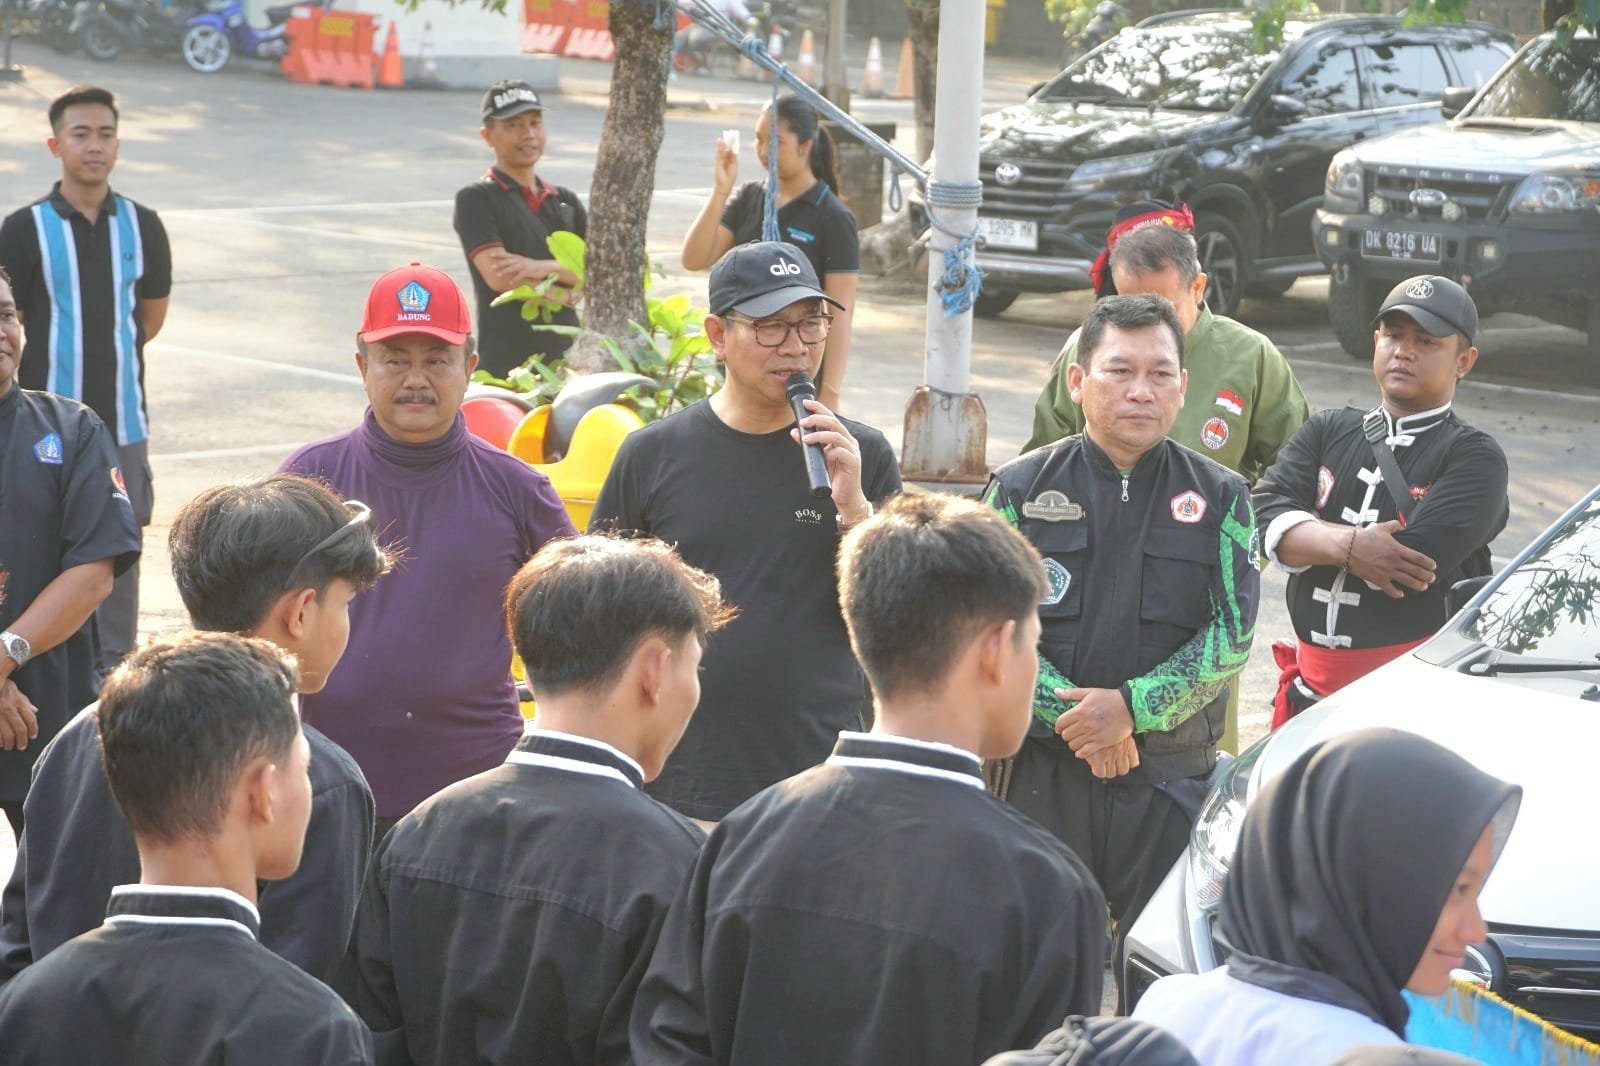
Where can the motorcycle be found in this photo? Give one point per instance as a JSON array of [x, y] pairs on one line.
[[215, 35], [51, 20], [105, 27]]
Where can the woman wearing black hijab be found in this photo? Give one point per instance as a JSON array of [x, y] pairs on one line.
[[1356, 877]]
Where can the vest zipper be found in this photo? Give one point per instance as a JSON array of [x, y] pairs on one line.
[[1124, 488]]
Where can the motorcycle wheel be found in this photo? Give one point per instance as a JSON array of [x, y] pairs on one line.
[[56, 29], [206, 49], [100, 38]]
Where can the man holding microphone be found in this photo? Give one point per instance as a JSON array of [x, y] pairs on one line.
[[726, 482]]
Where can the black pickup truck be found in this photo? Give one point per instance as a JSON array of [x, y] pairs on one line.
[[1504, 197]]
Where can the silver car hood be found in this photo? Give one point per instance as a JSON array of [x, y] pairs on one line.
[[1507, 147], [1533, 732]]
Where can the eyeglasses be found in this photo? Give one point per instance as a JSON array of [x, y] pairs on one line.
[[360, 515], [772, 332]]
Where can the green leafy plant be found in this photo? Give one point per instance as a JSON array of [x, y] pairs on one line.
[[671, 349]]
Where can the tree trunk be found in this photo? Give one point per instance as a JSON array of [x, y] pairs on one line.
[[1554, 10], [922, 18], [623, 182]]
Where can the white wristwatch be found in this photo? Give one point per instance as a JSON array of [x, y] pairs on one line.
[[16, 648]]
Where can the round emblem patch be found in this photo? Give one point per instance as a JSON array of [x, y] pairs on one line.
[[1324, 487], [1420, 289], [1188, 507], [1060, 581], [1214, 434]]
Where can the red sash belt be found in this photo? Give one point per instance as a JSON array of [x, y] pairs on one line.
[[1323, 670]]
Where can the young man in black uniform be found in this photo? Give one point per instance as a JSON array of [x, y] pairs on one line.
[[92, 275], [205, 756], [281, 559], [504, 221], [66, 530], [1154, 581], [725, 482], [509, 917], [881, 907], [1376, 514]]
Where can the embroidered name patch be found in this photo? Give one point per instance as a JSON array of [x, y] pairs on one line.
[[1188, 507], [1052, 506]]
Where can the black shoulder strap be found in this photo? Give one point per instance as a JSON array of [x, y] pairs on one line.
[[1376, 429]]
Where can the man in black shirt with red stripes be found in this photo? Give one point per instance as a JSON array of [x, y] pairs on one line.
[[505, 220]]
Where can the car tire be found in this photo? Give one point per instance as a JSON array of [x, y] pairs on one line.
[[1223, 258], [991, 302], [1352, 305]]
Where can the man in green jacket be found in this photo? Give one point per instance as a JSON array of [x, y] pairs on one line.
[[1243, 402]]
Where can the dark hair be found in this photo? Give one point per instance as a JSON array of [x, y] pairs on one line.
[[81, 94], [577, 610], [801, 120], [1153, 249], [5, 276], [468, 346], [1138, 311], [235, 547], [179, 721], [919, 579]]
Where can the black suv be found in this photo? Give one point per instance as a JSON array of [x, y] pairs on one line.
[[1506, 198], [1184, 107]]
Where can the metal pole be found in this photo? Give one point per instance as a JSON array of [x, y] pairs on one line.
[[7, 71], [946, 429], [835, 80], [957, 110]]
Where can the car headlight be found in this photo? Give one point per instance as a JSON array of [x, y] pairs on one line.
[[1216, 831], [1345, 180], [1549, 193], [1124, 166]]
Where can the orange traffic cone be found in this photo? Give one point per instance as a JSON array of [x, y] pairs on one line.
[[905, 86], [872, 80], [807, 62], [390, 74]]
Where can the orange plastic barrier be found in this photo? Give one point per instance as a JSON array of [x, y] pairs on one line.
[[330, 48]]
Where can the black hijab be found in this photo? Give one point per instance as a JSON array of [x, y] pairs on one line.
[[1345, 862]]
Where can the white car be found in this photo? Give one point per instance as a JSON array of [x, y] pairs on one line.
[[1512, 684]]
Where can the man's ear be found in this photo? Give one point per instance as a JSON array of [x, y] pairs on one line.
[[54, 146], [293, 611], [1466, 361], [652, 665], [1075, 376], [256, 786], [1183, 387], [472, 363], [994, 650], [1198, 290], [716, 331]]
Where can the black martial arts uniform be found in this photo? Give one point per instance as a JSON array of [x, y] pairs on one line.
[[1154, 583], [76, 847], [1457, 477], [879, 908], [509, 918], [175, 975]]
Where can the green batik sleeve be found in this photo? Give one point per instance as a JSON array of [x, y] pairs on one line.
[[1194, 674], [1047, 706]]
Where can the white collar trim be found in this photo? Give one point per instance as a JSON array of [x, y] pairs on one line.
[[531, 731]]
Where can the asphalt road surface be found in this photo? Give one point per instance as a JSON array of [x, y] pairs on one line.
[[284, 202]]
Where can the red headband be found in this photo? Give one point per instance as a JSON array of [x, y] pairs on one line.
[[1100, 273]]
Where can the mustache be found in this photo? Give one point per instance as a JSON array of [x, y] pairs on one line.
[[417, 397]]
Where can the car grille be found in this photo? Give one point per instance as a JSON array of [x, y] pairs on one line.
[[1038, 195], [1483, 197], [1556, 977]]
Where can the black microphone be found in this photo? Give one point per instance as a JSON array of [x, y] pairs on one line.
[[800, 389]]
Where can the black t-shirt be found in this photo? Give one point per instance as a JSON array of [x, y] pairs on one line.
[[496, 211], [79, 287], [816, 222], [780, 681], [62, 504]]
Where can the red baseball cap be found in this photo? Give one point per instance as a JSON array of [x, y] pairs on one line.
[[416, 299]]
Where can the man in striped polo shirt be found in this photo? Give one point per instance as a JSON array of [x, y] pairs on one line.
[[91, 271]]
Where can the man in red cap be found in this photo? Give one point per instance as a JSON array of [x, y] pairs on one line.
[[424, 697]]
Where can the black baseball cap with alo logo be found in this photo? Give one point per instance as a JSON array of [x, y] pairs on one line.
[[1437, 304], [507, 98], [762, 278]]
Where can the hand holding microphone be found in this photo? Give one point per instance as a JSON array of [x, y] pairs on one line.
[[832, 455]]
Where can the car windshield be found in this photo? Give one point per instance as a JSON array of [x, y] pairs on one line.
[[1546, 81], [1549, 607], [1166, 66]]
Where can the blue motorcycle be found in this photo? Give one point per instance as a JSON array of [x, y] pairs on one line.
[[215, 35]]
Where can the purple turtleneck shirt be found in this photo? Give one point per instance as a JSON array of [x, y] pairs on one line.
[[423, 696]]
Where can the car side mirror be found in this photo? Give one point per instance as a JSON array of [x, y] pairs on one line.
[[1455, 99], [1461, 592], [1286, 108]]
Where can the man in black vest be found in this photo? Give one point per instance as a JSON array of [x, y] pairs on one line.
[[1376, 513], [505, 220]]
